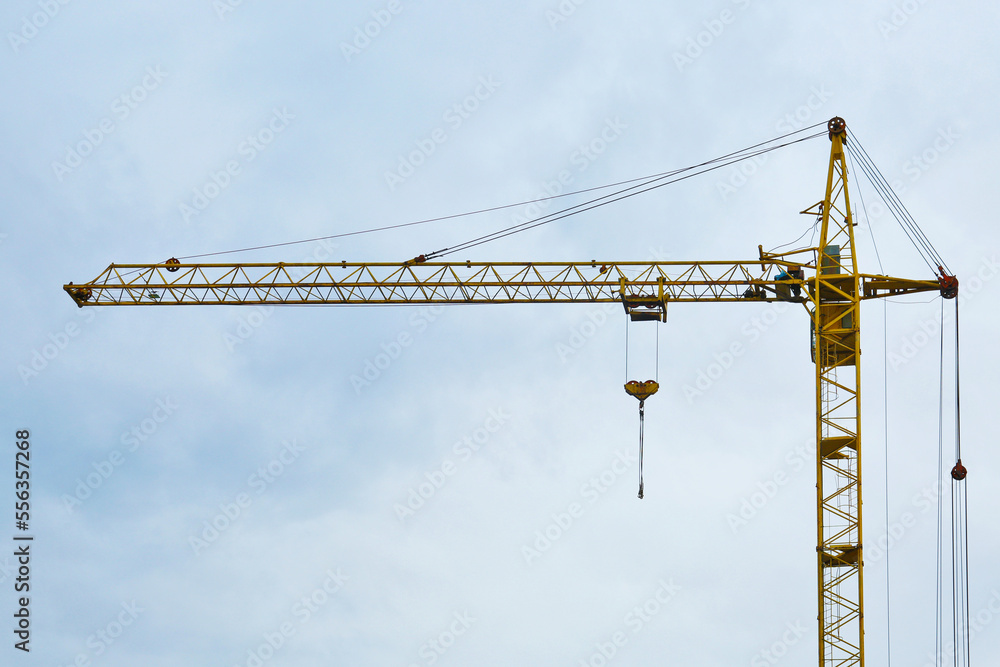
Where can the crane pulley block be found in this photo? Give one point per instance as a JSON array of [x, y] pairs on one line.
[[949, 284], [644, 307]]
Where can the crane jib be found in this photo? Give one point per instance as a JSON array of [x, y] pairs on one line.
[[638, 285]]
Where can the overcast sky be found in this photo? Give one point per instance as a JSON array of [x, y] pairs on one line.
[[236, 486]]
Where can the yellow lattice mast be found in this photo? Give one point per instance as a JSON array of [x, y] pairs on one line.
[[824, 279], [835, 301]]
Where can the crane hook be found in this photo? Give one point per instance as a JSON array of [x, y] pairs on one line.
[[642, 391]]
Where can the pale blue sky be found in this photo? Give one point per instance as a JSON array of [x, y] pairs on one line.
[[206, 129]]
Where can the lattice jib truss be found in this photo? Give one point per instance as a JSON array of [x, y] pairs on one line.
[[346, 283]]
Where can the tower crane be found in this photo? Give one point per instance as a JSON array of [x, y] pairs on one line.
[[824, 279]]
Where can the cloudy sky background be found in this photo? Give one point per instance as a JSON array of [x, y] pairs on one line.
[[318, 561]]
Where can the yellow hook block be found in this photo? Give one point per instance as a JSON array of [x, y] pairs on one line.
[[641, 390]]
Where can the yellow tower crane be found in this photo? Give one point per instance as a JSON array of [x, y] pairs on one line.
[[824, 279]]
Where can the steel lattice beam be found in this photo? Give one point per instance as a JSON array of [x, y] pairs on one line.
[[345, 283]]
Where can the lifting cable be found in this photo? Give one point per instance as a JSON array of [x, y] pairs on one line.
[[939, 596], [961, 629], [959, 530]]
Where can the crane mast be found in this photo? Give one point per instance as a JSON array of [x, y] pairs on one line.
[[836, 328], [831, 294]]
